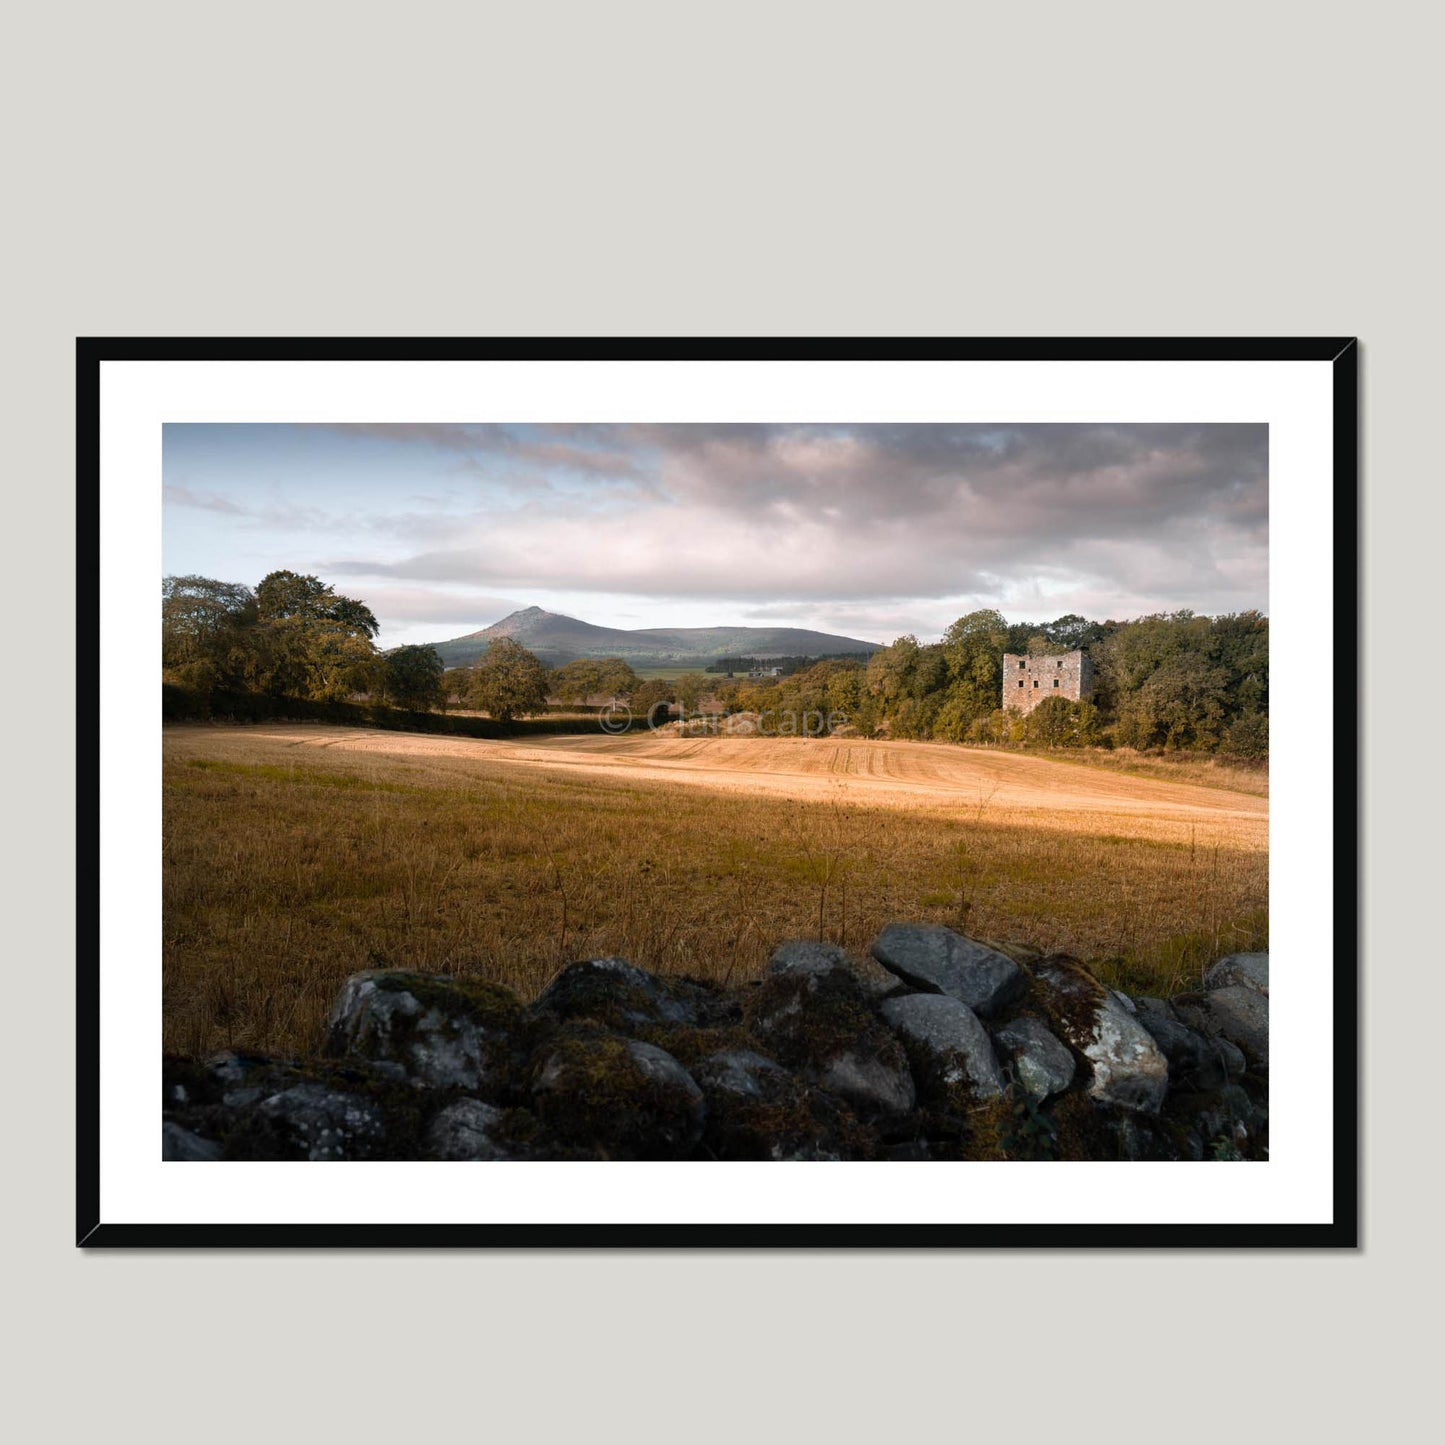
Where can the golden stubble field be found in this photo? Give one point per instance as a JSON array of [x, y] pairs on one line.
[[295, 855]]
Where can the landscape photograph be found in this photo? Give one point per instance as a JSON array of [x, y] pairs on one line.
[[715, 792]]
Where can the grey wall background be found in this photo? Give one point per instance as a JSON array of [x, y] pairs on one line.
[[752, 169]]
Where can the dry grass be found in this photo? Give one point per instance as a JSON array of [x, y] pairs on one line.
[[288, 867], [1210, 772]]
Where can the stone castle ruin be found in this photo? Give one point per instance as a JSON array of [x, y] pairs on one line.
[[1028, 680]]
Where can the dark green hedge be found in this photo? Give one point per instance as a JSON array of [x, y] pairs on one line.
[[179, 704]]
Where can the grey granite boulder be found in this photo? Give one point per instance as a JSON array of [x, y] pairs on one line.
[[870, 1084], [1148, 1008], [622, 996], [1234, 1061], [1238, 1013], [1041, 1064], [178, 1144], [948, 1035], [1195, 1061], [440, 1031], [938, 960], [1129, 1070], [875, 980], [326, 1123], [806, 956], [1240, 970], [465, 1130]]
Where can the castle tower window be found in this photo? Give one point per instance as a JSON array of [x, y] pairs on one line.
[[1022, 664], [1056, 682], [1036, 682], [1021, 682]]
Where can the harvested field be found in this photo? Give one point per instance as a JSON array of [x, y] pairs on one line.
[[297, 854]]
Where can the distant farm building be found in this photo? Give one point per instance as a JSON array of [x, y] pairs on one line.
[[1027, 681]]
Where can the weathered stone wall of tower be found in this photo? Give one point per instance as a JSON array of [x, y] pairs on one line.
[[1027, 681]]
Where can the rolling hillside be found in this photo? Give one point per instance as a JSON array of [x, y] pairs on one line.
[[557, 639]]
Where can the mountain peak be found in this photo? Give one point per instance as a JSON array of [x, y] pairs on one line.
[[556, 638], [522, 618]]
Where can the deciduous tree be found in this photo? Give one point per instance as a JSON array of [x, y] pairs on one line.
[[411, 677], [507, 682]]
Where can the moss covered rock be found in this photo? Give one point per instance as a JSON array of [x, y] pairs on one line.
[[252, 1106], [822, 1026], [1128, 1069], [758, 1110], [466, 1129], [619, 995], [811, 1063], [326, 1123], [433, 1030], [620, 1098]]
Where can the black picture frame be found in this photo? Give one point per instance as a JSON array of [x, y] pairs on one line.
[[1342, 354]]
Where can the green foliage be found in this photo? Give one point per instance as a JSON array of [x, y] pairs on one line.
[[1025, 1132], [587, 677], [1060, 722], [411, 677], [690, 689], [1171, 681], [293, 637], [507, 682], [1178, 681], [1248, 736], [973, 648], [833, 688], [650, 695], [204, 624], [891, 670], [284, 595]]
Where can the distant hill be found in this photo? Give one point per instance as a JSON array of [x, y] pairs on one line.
[[557, 639]]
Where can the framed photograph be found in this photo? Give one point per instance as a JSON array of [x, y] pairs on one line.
[[799, 793]]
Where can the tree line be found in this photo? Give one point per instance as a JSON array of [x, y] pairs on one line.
[[785, 666], [295, 636], [290, 636], [1172, 681]]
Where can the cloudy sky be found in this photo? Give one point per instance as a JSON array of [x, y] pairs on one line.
[[866, 530]]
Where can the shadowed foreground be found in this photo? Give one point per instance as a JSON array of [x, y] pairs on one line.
[[939, 1048]]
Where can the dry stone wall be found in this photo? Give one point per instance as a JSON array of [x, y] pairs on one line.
[[935, 1047]]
